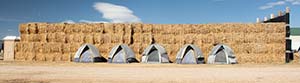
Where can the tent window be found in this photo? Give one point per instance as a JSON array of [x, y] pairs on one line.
[[153, 55], [119, 57], [221, 56]]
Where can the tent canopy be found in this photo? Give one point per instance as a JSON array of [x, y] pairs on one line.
[[88, 53], [121, 54], [190, 54], [221, 54], [155, 54]]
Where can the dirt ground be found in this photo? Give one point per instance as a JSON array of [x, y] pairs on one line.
[[68, 72]]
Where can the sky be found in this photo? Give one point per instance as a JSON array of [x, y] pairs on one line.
[[14, 12]]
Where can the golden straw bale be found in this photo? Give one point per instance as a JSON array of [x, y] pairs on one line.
[[75, 46], [23, 28], [126, 39], [128, 29], [87, 28], [38, 47], [69, 28], [66, 57], [59, 27], [57, 56], [66, 48], [55, 47], [78, 38], [106, 38], [41, 28], [89, 39], [19, 56], [108, 28], [51, 28], [119, 28], [18, 47], [32, 28], [42, 37], [49, 57], [147, 28], [60, 37], [98, 28], [51, 37], [137, 28], [157, 29], [97, 38], [30, 56], [69, 38], [40, 57]]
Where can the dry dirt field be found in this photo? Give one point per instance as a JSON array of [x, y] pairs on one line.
[[68, 72]]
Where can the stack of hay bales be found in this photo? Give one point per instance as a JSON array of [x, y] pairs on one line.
[[252, 43]]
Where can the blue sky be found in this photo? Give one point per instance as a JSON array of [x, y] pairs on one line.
[[14, 12]]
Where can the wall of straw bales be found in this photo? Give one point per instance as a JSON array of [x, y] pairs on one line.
[[252, 43]]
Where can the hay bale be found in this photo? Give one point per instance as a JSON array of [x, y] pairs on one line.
[[51, 37], [40, 57], [34, 38], [32, 28], [97, 38], [98, 28], [23, 28], [49, 57], [108, 28], [119, 28], [24, 37], [66, 48], [30, 56], [137, 28], [69, 28], [55, 47], [43, 37], [57, 56], [89, 38], [147, 28], [19, 56], [87, 28], [41, 28], [66, 57], [60, 37]]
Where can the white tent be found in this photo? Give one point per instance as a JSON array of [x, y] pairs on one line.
[[88, 53], [121, 54], [190, 54], [155, 54], [221, 54]]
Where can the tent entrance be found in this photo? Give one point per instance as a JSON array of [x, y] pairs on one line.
[[189, 56], [86, 55], [221, 56], [119, 56], [153, 55]]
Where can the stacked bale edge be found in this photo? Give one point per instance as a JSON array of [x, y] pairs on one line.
[[252, 43]]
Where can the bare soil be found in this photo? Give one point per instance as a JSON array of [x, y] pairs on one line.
[[68, 72]]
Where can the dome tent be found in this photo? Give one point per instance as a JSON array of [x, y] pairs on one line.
[[221, 54], [190, 54], [121, 54], [155, 54], [88, 53]]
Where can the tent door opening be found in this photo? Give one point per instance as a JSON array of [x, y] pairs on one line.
[[153, 55], [189, 56], [221, 56], [119, 56]]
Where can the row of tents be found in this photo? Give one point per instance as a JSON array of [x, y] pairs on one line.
[[155, 53]]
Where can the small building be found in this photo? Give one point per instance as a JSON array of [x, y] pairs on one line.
[[295, 37]]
